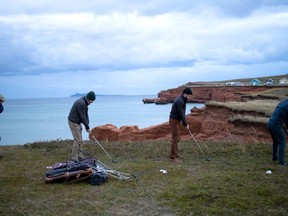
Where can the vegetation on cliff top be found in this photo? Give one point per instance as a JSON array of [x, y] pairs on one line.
[[244, 80], [245, 111]]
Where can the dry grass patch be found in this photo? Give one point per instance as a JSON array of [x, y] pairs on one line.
[[265, 107], [280, 92], [248, 119]]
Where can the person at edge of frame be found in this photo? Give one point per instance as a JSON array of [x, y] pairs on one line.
[[275, 125], [177, 115], [2, 100], [79, 115]]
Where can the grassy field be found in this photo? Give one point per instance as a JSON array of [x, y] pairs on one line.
[[234, 182], [262, 79], [245, 81]]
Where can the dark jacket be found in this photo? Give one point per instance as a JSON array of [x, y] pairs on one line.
[[1, 108], [178, 109], [79, 112], [280, 114]]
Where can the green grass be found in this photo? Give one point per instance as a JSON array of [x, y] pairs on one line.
[[276, 78], [234, 182], [246, 81]]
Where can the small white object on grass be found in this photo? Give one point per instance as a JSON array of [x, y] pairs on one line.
[[163, 171], [268, 172]]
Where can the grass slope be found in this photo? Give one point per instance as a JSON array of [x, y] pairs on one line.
[[234, 182], [246, 81]]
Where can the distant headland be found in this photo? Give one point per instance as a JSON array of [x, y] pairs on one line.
[[78, 95]]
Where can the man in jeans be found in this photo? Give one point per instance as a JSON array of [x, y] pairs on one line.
[[275, 126], [177, 115], [79, 115]]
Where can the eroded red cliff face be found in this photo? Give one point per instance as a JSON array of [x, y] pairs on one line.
[[210, 123], [208, 93]]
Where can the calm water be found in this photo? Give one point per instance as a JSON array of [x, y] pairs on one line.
[[29, 120]]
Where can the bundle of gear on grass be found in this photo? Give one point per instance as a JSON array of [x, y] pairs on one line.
[[88, 169]]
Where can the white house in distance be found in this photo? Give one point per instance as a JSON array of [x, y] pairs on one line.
[[255, 82], [234, 84], [283, 81], [269, 82]]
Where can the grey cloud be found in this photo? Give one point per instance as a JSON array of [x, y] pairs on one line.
[[50, 38], [14, 56], [149, 7]]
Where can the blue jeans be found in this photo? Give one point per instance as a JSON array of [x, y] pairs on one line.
[[279, 142]]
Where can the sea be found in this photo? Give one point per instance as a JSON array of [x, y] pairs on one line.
[[25, 121]]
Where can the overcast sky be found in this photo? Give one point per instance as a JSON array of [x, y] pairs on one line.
[[57, 48]]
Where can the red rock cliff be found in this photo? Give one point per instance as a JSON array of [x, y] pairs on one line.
[[210, 123], [201, 94]]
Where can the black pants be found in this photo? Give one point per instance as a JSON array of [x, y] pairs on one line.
[[279, 143]]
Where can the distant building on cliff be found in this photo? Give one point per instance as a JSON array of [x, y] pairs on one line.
[[255, 82], [283, 81], [269, 82], [234, 84]]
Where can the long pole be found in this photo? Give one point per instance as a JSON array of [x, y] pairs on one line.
[[114, 161], [208, 159]]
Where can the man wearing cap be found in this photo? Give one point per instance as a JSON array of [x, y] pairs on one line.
[[177, 115], [79, 115]]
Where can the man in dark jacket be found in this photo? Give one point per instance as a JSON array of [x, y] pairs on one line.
[[2, 100], [276, 128], [79, 115], [177, 115]]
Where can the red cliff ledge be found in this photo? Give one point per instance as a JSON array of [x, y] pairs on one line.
[[202, 94], [211, 123]]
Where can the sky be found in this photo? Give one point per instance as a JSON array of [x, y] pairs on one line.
[[57, 48]]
